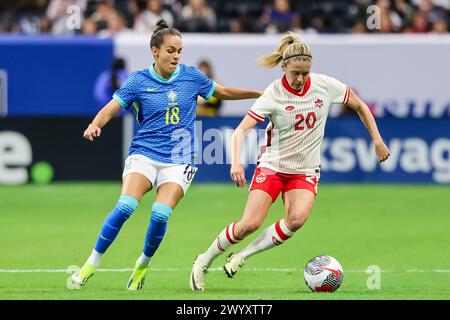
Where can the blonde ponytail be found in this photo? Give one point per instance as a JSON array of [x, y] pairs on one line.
[[290, 46]]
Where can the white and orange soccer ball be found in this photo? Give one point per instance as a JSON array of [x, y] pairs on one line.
[[323, 274]]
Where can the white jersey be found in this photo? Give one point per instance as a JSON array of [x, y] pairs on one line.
[[297, 122]]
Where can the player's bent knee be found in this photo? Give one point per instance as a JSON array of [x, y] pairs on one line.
[[127, 204], [161, 212], [295, 222], [246, 228]]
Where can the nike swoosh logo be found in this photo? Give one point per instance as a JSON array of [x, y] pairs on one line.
[[335, 272]]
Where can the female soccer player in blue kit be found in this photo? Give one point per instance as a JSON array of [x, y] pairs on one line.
[[164, 97]]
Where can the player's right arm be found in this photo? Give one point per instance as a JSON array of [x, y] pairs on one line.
[[237, 171], [262, 107], [101, 119], [122, 98]]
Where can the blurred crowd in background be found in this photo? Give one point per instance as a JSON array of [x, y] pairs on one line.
[[110, 17]]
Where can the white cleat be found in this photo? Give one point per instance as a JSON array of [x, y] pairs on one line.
[[197, 279], [234, 262]]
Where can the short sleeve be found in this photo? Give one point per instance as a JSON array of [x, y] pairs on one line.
[[206, 86], [263, 106], [127, 93], [338, 91]]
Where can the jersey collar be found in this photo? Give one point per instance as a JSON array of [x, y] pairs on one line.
[[292, 90], [157, 77]]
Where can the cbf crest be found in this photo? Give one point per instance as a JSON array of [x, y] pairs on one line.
[[172, 95]]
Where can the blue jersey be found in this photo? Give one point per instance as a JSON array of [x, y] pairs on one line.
[[165, 111]]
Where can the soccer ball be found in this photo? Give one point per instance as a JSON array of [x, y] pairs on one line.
[[323, 274]]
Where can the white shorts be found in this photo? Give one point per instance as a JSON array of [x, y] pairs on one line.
[[160, 173]]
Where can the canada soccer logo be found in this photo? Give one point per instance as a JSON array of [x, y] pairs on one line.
[[260, 178], [318, 103], [219, 246], [275, 241]]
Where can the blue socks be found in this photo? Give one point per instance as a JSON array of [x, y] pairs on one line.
[[157, 228], [117, 217], [114, 221]]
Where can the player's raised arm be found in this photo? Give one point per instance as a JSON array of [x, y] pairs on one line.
[[229, 93], [101, 119], [237, 171], [367, 118]]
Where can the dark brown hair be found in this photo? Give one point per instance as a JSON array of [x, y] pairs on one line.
[[162, 29]]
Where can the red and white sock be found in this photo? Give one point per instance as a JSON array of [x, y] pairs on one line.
[[272, 236], [224, 240]]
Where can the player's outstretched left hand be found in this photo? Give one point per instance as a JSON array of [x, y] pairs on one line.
[[381, 151], [92, 132]]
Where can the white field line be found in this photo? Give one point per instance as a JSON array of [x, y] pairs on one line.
[[70, 270]]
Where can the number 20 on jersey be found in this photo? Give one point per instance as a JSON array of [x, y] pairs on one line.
[[309, 120]]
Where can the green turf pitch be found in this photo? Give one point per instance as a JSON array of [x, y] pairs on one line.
[[405, 230]]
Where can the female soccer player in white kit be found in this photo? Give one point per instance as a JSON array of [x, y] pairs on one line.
[[297, 106]]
